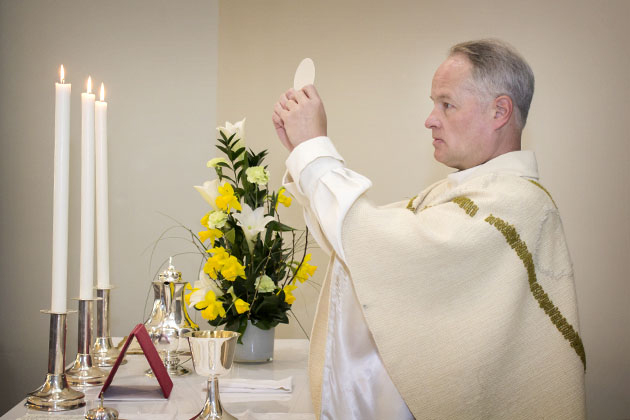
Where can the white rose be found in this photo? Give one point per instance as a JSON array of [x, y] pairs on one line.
[[217, 219], [265, 284], [212, 163], [257, 175]]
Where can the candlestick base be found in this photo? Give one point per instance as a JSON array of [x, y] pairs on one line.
[[83, 372], [55, 394], [104, 352], [171, 369]]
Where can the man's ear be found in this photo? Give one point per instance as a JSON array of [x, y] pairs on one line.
[[503, 108]]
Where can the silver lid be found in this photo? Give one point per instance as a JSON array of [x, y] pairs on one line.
[[102, 413], [170, 275]]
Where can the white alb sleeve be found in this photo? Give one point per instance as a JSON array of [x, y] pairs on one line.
[[318, 179]]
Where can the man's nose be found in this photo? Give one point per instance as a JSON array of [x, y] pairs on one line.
[[432, 121]]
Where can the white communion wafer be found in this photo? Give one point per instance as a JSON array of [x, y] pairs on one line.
[[304, 75]]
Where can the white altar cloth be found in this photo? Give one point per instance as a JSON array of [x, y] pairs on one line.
[[187, 397]]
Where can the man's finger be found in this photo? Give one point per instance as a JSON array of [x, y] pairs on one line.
[[283, 101], [310, 91], [300, 97], [291, 104], [277, 120], [291, 94], [277, 109]]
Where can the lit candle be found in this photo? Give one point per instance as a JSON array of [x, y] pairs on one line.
[[86, 269], [60, 195], [102, 213]]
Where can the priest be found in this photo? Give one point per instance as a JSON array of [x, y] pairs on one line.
[[459, 303]]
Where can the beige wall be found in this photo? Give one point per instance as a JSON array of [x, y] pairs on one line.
[[158, 60], [374, 65]]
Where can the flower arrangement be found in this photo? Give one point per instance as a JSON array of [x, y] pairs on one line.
[[248, 271]]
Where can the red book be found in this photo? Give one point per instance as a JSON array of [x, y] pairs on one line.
[[152, 356]]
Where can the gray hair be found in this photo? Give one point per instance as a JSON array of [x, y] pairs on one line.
[[499, 70]]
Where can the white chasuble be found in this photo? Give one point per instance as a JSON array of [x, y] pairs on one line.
[[464, 297]]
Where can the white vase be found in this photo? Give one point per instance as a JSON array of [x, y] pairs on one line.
[[257, 345]]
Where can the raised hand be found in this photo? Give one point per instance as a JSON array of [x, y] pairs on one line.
[[299, 116]]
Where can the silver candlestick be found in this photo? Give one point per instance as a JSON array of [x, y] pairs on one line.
[[55, 394], [83, 372], [103, 350]]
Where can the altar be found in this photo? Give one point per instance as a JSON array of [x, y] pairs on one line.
[[188, 394]]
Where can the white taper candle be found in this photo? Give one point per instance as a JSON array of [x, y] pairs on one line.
[[61, 196], [102, 213], [86, 269]]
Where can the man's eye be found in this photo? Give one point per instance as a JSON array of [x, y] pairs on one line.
[[447, 105]]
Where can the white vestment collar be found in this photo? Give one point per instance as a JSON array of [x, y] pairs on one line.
[[520, 163]]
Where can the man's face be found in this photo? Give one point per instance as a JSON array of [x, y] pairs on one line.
[[460, 122]]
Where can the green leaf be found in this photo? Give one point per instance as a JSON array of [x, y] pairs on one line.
[[228, 178], [238, 154], [230, 235], [232, 139], [225, 150], [280, 227]]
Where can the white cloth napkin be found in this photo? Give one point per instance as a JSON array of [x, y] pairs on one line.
[[31, 416], [248, 415], [259, 386]]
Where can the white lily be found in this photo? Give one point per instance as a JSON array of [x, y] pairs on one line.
[[203, 286], [239, 129], [209, 191], [253, 222]]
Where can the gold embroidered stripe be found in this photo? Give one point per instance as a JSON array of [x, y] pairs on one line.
[[545, 190], [410, 204], [467, 204], [561, 323]]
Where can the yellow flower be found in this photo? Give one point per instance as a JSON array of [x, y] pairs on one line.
[[305, 271], [211, 307], [288, 293], [232, 269], [241, 306], [227, 200], [283, 199], [216, 262], [192, 290], [211, 234], [219, 252]]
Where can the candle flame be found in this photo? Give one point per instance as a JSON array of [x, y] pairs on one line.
[[102, 92], [62, 74], [89, 84]]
